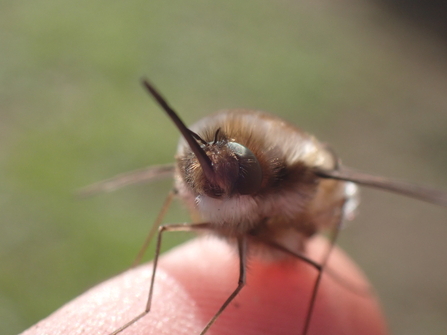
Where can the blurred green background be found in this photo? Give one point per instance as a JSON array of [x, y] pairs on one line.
[[72, 112]]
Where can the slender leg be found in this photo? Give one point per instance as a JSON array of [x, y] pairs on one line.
[[161, 230], [332, 239], [363, 290], [154, 227], [295, 254], [242, 248], [316, 286], [318, 266]]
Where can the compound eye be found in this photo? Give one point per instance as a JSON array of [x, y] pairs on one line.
[[249, 179]]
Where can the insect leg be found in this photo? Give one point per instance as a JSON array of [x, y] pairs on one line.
[[332, 238], [317, 284], [161, 230], [242, 249], [318, 266], [154, 227]]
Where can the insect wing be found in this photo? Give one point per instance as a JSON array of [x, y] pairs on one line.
[[147, 174], [404, 188]]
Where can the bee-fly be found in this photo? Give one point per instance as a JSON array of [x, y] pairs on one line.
[[262, 184]]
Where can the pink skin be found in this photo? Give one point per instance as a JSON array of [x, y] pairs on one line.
[[194, 279]]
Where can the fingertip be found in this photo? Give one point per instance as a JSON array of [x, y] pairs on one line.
[[194, 280]]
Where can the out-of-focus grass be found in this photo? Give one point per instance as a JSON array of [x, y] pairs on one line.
[[72, 112]]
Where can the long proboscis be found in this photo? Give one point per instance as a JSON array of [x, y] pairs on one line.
[[419, 192], [202, 157]]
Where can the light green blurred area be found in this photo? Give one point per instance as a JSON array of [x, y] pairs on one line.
[[72, 112]]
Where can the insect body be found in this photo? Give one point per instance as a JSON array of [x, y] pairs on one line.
[[262, 184]]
